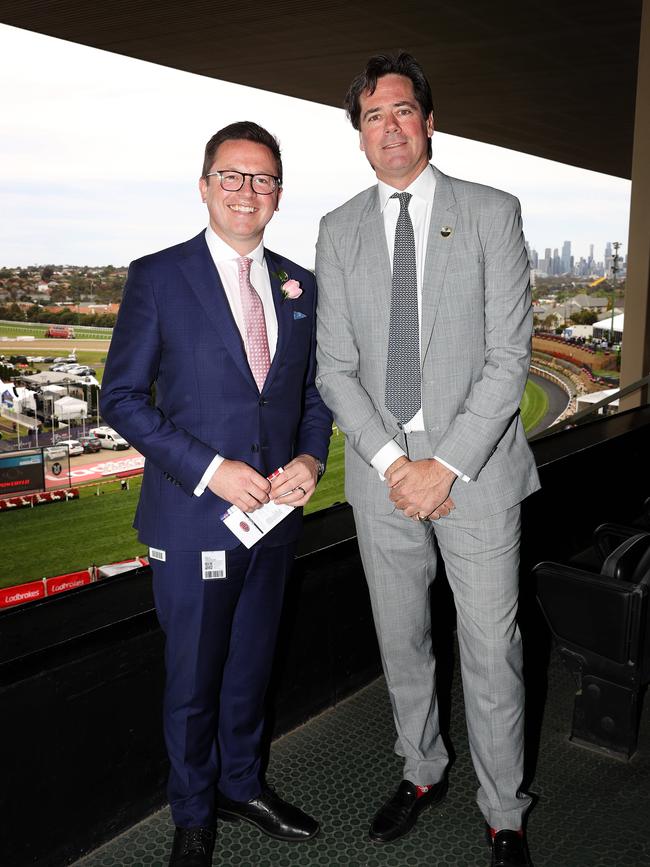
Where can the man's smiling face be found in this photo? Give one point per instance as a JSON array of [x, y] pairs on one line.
[[240, 218], [393, 133]]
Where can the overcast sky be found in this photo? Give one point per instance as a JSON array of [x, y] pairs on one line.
[[100, 157]]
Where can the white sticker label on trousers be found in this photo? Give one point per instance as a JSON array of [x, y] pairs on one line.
[[213, 565], [157, 554]]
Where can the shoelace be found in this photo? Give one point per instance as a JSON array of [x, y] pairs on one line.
[[197, 840]]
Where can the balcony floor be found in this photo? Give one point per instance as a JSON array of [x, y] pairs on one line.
[[592, 810]]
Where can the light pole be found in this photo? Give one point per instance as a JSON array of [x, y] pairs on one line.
[[615, 270]]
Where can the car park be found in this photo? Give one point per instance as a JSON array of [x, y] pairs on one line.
[[56, 452], [90, 444], [74, 447], [109, 438]]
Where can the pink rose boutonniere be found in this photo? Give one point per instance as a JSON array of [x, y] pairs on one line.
[[290, 289]]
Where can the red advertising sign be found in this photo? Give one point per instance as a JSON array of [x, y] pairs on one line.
[[61, 583], [22, 593]]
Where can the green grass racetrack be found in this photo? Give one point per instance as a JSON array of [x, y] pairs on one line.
[[534, 405], [38, 329], [68, 536]]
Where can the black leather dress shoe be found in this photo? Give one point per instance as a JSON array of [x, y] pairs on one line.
[[509, 849], [270, 814], [400, 813], [192, 847]]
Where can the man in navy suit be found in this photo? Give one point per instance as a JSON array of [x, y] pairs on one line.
[[224, 330]]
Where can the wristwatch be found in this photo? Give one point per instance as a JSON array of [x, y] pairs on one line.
[[320, 466]]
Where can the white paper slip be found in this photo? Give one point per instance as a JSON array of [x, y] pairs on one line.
[[250, 527], [269, 515], [213, 565], [241, 525]]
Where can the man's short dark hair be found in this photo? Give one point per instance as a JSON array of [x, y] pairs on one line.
[[388, 64], [243, 130]]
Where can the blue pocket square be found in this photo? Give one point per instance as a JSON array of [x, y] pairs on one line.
[[298, 315]]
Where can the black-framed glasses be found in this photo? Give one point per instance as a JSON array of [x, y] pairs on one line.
[[232, 181]]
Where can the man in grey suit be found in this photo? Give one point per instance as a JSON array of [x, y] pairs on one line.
[[424, 328]]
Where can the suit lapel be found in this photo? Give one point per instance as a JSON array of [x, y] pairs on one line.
[[201, 273], [378, 271], [443, 217], [284, 313]]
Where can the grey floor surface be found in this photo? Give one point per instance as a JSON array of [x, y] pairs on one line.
[[592, 810]]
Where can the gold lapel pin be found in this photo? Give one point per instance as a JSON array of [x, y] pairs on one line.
[[445, 231]]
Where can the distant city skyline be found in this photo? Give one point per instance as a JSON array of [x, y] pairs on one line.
[[101, 156], [554, 263]]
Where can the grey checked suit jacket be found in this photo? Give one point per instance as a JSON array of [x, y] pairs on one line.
[[475, 342]]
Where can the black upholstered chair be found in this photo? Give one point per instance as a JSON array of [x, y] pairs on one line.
[[600, 620]]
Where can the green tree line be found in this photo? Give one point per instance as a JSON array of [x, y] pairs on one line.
[[34, 313]]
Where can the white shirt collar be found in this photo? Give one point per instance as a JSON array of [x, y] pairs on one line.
[[423, 187], [222, 252]]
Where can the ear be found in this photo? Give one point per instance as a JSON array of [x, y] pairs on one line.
[[277, 201], [203, 188], [430, 125], [361, 147]]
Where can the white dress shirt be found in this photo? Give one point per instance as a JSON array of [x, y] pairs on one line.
[[422, 191], [226, 261]]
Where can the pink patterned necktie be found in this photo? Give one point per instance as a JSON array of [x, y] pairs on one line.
[[257, 344]]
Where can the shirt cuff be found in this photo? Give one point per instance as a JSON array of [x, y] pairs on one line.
[[460, 475], [214, 465], [387, 455]]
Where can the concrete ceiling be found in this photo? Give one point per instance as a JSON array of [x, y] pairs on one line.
[[554, 79]]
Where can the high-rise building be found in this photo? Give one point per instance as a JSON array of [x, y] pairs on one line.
[[556, 267], [532, 256], [566, 258], [607, 264]]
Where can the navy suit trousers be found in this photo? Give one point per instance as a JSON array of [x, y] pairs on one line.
[[220, 641]]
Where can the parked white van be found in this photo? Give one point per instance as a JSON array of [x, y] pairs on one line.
[[108, 438]]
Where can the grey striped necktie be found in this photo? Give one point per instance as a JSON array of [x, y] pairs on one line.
[[403, 377]]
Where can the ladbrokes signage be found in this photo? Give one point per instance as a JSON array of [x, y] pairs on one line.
[[67, 582], [10, 596]]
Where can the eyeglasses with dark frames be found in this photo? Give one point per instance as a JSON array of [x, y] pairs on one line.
[[232, 181]]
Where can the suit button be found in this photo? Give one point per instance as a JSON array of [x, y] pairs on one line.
[[400, 425], [255, 448], [263, 401]]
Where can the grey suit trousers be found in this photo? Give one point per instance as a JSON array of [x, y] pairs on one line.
[[482, 564]]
